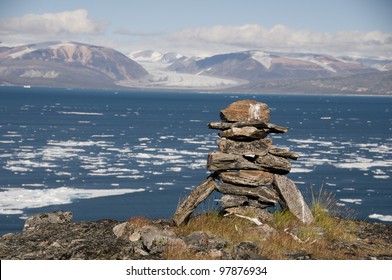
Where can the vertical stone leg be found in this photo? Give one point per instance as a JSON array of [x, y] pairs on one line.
[[291, 199], [197, 195]]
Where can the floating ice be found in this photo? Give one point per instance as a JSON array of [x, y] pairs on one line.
[[362, 164], [300, 170], [311, 141], [174, 169], [7, 142], [80, 113], [33, 185], [384, 218], [352, 200], [381, 176], [14, 200]]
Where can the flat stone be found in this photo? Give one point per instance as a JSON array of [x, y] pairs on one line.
[[250, 178], [274, 164], [291, 199], [258, 204], [246, 110], [247, 132], [283, 153], [233, 200], [257, 147], [197, 195], [272, 128], [262, 194], [218, 161]]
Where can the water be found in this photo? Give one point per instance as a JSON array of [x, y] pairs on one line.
[[114, 155]]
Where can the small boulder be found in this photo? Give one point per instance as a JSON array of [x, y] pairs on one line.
[[247, 251], [58, 217], [124, 230]]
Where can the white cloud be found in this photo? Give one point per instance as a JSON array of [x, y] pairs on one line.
[[282, 38], [50, 26]]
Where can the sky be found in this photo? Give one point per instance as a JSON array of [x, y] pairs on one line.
[[205, 27]]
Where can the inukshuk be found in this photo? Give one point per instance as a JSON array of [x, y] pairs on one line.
[[248, 170]]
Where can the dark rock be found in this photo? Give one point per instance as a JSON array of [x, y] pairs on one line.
[[257, 147], [258, 204], [82, 240], [58, 217], [197, 195], [247, 251], [246, 110], [262, 194], [292, 199], [300, 255], [197, 240], [233, 201], [217, 243]]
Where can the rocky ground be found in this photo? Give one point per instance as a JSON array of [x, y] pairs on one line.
[[59, 238]]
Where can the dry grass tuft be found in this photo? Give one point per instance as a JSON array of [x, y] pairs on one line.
[[139, 222], [214, 224]]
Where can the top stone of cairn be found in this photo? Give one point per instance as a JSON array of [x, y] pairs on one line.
[[246, 110]]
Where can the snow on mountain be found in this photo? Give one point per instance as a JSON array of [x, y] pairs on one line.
[[154, 56], [74, 64], [157, 64], [66, 64], [263, 58]]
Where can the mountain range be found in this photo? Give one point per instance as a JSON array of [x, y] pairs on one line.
[[74, 64], [66, 65]]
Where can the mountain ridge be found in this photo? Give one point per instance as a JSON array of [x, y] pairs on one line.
[[66, 64], [72, 64]]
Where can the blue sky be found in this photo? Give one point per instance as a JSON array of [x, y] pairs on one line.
[[359, 27]]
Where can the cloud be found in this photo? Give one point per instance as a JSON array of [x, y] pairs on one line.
[[282, 38], [127, 32], [51, 25]]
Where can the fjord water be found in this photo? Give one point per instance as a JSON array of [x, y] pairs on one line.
[[103, 154]]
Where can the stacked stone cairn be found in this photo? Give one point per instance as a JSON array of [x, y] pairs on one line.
[[248, 170]]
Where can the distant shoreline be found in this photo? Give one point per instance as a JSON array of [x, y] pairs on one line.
[[197, 91]]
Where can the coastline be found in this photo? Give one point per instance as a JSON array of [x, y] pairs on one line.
[[186, 90], [97, 240]]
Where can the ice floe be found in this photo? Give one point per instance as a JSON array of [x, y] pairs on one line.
[[352, 200], [80, 113], [14, 200], [384, 218]]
